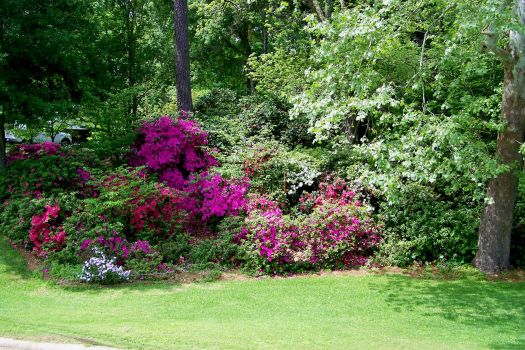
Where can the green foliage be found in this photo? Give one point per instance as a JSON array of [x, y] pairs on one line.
[[44, 64], [15, 218], [216, 252], [422, 226], [31, 177], [176, 249], [232, 119]]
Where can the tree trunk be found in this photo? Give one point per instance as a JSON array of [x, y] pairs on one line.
[[182, 55], [131, 44], [3, 158], [496, 221]]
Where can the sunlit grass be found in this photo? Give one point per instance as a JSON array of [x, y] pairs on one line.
[[329, 312]]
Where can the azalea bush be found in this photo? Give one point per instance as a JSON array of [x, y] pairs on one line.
[[34, 151], [46, 232], [47, 175], [126, 202], [175, 150], [332, 229]]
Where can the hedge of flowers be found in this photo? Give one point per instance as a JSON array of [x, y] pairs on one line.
[[144, 217]]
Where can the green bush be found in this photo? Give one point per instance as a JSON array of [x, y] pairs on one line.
[[422, 227]]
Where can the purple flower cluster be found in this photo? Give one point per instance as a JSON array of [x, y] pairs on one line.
[[174, 148], [212, 195], [118, 247], [100, 268]]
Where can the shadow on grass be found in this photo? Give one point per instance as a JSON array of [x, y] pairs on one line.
[[482, 305], [11, 261]]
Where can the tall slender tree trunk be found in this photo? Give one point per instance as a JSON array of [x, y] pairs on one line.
[[182, 55], [3, 158], [496, 221], [131, 44]]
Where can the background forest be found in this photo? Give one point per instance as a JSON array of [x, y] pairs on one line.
[[323, 134]]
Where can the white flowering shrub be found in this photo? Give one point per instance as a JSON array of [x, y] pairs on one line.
[[99, 268]]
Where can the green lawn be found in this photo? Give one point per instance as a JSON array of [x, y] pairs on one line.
[[331, 312]]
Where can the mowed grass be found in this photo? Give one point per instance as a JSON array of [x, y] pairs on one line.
[[327, 312]]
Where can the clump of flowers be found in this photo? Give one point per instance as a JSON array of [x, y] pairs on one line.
[[99, 268], [46, 233], [139, 257], [173, 148], [33, 151], [210, 195], [332, 229], [118, 247]]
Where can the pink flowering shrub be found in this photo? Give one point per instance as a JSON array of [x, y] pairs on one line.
[[128, 201], [46, 233], [332, 229], [173, 148], [33, 151], [210, 195], [38, 174]]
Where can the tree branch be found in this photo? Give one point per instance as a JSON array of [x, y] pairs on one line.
[[316, 7], [491, 44]]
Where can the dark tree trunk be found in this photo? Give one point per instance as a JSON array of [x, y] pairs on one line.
[[182, 55], [244, 41], [496, 221], [3, 157]]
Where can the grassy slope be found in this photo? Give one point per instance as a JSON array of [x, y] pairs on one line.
[[333, 312]]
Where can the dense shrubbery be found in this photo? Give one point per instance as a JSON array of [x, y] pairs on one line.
[[172, 206]]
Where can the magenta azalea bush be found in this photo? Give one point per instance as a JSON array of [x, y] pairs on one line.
[[175, 150], [33, 151], [210, 195], [333, 229]]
